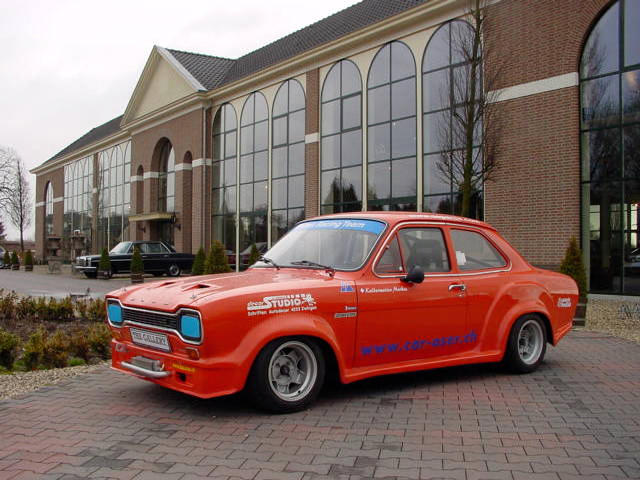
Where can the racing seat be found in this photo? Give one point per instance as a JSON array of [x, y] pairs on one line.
[[428, 254]]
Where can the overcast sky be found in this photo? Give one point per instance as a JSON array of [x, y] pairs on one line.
[[69, 66]]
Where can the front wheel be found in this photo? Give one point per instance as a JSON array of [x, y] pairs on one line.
[[287, 375], [173, 270], [527, 344]]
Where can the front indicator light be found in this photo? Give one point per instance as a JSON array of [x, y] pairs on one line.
[[114, 313], [190, 327], [192, 353]]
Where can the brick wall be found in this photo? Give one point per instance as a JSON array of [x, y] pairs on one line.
[[185, 135], [534, 197]]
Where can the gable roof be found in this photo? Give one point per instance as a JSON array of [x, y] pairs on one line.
[[93, 135], [326, 30], [212, 72], [207, 69]]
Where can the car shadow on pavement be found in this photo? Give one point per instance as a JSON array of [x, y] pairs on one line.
[[384, 390]]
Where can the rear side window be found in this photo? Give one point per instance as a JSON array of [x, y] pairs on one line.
[[474, 252]]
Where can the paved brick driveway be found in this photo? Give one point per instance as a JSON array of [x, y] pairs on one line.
[[577, 417]]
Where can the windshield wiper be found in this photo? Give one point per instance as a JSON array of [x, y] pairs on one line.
[[268, 260], [309, 263]]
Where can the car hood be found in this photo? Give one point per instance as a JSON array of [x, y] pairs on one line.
[[169, 295]]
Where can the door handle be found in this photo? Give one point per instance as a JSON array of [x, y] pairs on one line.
[[457, 286]]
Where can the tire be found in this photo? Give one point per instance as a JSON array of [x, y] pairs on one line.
[[91, 274], [173, 270], [273, 383], [527, 344]]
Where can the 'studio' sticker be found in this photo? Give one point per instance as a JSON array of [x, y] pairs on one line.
[[295, 302]]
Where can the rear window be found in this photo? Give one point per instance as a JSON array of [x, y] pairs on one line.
[[474, 252]]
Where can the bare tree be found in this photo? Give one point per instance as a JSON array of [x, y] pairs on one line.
[[19, 205], [470, 138], [7, 165]]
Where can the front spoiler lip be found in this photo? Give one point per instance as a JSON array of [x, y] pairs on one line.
[[145, 372], [81, 268]]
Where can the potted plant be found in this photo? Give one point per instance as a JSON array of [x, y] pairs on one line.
[[104, 267], [254, 255], [6, 259], [573, 266], [216, 261], [15, 261], [28, 261], [137, 267], [198, 263]]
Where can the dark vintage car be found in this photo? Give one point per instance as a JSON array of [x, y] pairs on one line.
[[158, 258]]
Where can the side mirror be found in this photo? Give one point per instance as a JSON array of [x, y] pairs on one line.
[[415, 275]]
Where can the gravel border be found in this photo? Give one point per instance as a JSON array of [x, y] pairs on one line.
[[18, 383]]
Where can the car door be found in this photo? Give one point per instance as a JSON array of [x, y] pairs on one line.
[[121, 262], [157, 257], [483, 270], [399, 321]]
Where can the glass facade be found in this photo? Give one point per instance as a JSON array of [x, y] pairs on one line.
[[446, 101], [341, 137], [225, 131], [254, 171], [78, 195], [391, 130], [287, 158], [114, 194], [48, 209], [610, 149]]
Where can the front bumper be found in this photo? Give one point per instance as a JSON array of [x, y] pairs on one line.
[[83, 269], [194, 377]]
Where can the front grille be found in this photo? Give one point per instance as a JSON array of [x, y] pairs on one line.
[[148, 317]]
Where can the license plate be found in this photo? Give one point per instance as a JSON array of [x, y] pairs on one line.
[[150, 339]]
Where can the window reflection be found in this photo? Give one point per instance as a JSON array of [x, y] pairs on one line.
[[391, 128], [114, 194], [446, 90], [224, 177], [610, 144], [78, 206], [287, 188], [341, 138], [253, 171]]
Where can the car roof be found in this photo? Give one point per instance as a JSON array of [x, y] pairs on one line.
[[393, 218]]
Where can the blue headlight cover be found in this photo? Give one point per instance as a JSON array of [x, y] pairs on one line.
[[190, 326], [114, 312]]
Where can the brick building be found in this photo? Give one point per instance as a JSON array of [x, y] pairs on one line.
[[343, 114]]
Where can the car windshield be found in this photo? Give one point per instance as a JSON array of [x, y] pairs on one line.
[[343, 244], [122, 247]]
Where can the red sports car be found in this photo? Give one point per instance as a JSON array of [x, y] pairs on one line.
[[367, 293]]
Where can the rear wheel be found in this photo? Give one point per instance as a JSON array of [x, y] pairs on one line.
[[173, 270], [287, 375], [527, 344]]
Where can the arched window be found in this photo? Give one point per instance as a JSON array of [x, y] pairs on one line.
[[610, 149], [225, 127], [78, 192], [391, 129], [167, 179], [48, 209], [446, 99], [114, 195], [254, 171], [341, 136], [287, 158]]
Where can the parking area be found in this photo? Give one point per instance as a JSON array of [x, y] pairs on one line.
[[577, 417], [41, 283]]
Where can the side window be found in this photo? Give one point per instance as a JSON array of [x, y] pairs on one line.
[[154, 248], [391, 260], [474, 252], [424, 247], [144, 248]]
